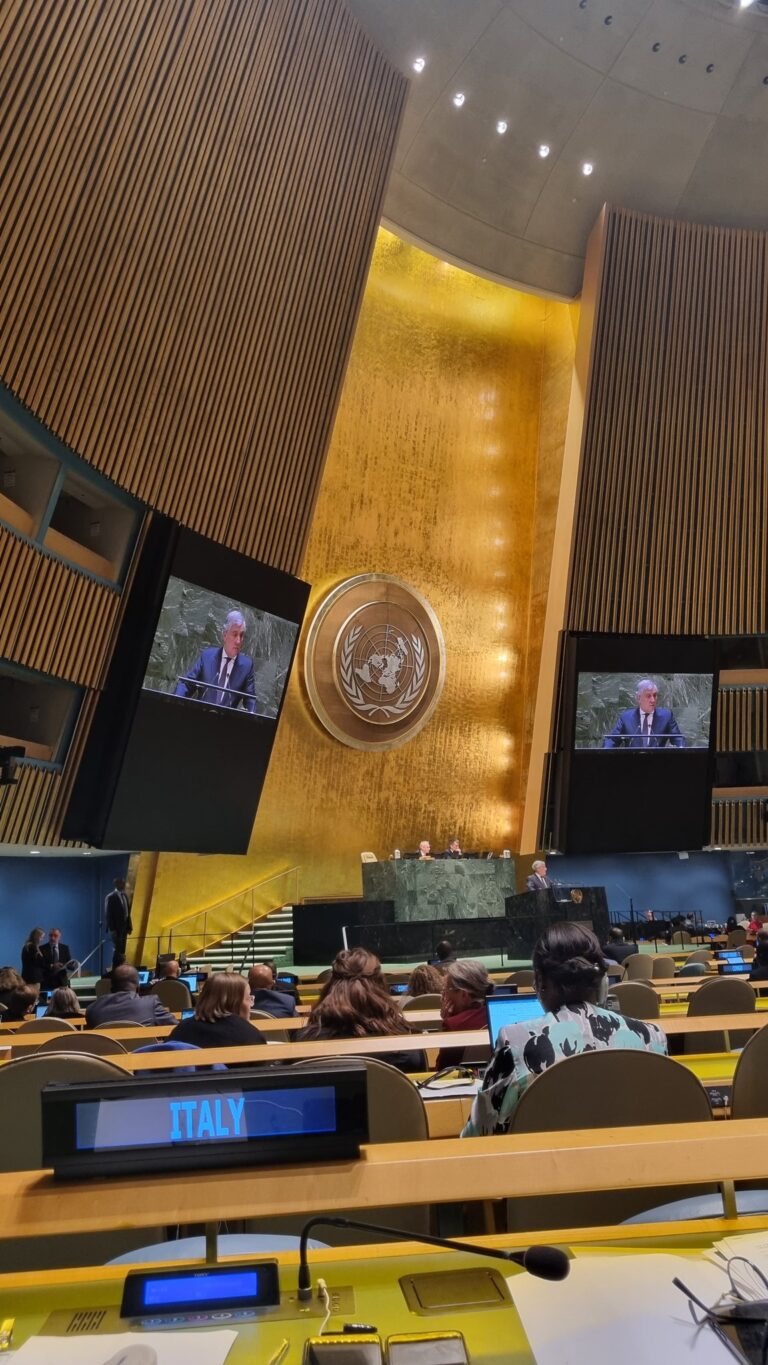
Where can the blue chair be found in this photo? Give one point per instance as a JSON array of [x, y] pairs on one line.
[[176, 1047]]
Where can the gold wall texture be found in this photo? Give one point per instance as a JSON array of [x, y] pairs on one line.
[[443, 470]]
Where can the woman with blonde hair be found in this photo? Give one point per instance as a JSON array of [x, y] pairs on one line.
[[355, 1003], [222, 1015]]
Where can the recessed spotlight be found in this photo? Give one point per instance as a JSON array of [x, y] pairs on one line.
[[501, 126], [745, 4], [34, 853], [682, 59], [459, 98], [608, 19], [544, 150], [418, 64], [587, 168], [656, 47], [87, 852], [710, 68]]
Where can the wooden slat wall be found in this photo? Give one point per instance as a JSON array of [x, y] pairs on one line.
[[742, 719], [52, 618], [740, 822], [671, 530], [189, 191]]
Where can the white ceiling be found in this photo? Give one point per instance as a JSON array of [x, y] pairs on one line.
[[665, 135]]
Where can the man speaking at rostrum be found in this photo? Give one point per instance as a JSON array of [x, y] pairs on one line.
[[645, 725], [223, 676]]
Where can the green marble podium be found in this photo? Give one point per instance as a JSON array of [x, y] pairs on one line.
[[468, 888]]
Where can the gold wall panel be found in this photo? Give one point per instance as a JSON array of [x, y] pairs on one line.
[[739, 822], [671, 531], [188, 199], [443, 470]]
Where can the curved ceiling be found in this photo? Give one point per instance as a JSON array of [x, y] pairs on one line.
[[667, 99]]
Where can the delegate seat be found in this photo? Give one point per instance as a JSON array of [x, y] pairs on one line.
[[422, 1002], [616, 1088], [523, 977], [275, 1035], [663, 968], [130, 1044], [700, 955], [91, 1043], [639, 967], [681, 936], [693, 969], [45, 1025], [749, 1097], [736, 938], [719, 996], [637, 1000], [173, 994], [21, 1083]]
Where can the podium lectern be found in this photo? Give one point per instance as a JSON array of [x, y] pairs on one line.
[[530, 913]]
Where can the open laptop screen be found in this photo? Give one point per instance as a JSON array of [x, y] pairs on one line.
[[511, 1009]]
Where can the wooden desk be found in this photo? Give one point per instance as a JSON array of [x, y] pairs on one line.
[[34, 1205], [494, 1335], [295, 1052]]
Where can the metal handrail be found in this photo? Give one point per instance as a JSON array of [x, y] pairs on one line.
[[250, 891]]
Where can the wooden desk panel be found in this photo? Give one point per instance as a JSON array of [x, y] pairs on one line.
[[34, 1205]]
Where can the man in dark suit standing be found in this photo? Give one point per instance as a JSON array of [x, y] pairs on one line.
[[223, 676], [539, 879], [646, 725], [118, 917], [55, 956]]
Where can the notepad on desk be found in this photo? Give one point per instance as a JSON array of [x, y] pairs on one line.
[[622, 1307]]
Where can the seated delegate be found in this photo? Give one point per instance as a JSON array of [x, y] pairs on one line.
[[265, 996], [124, 1005], [759, 968], [355, 1003], [63, 1004], [465, 986], [10, 981], [222, 1015], [424, 980], [19, 1003], [570, 983]]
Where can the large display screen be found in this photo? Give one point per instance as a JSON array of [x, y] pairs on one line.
[[178, 751], [620, 698], [209, 648], [629, 711]]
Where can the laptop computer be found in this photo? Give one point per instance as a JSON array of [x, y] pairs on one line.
[[145, 976], [504, 1010]]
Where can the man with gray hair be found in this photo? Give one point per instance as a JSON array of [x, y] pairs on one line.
[[539, 879], [221, 675], [645, 725]]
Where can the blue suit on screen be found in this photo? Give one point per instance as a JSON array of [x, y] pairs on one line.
[[627, 732], [204, 677]]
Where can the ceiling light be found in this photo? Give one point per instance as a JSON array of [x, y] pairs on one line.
[[34, 853], [459, 99], [587, 168], [501, 126], [745, 4], [544, 150], [418, 64]]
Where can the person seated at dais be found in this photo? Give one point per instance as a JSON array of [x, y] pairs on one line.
[[571, 984], [425, 852], [444, 953], [355, 1003]]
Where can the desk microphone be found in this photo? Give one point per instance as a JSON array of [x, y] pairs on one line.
[[549, 1263]]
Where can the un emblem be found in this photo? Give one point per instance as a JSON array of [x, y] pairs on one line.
[[374, 662]]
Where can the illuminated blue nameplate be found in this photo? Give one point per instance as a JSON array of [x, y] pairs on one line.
[[209, 1117], [200, 1295], [267, 1114]]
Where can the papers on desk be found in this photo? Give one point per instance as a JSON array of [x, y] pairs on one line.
[[129, 1348], [621, 1308], [752, 1245]]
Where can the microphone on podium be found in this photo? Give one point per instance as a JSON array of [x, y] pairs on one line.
[[548, 1263]]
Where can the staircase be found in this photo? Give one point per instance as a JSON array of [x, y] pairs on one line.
[[271, 937]]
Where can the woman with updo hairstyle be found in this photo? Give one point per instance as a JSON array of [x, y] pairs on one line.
[[570, 980], [355, 1003]]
